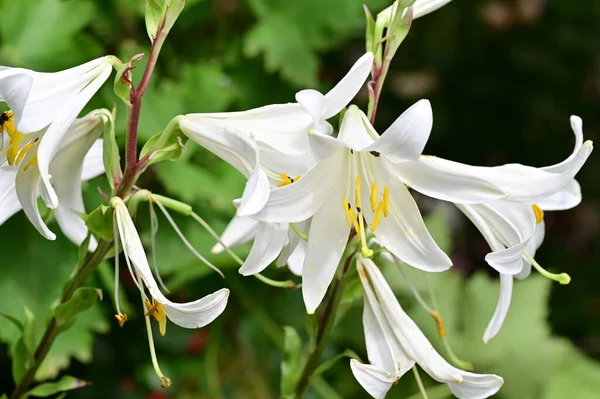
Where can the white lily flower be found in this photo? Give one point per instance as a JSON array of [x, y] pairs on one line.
[[515, 230], [360, 164], [79, 158], [395, 343], [43, 107], [424, 7], [194, 314], [285, 127]]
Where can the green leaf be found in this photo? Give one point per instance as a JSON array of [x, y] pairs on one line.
[[168, 151], [22, 359], [576, 374], [13, 319], [100, 222], [66, 383], [83, 299], [291, 366], [161, 18], [323, 367], [83, 249], [154, 14]]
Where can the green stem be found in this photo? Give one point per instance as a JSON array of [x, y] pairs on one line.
[[562, 278], [419, 382], [298, 231], [325, 325]]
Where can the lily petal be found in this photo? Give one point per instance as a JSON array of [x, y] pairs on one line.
[[405, 139], [9, 202], [239, 231], [403, 232], [577, 127], [567, 198], [313, 102], [532, 246], [506, 285], [268, 243], [296, 260], [356, 131], [375, 381], [15, 85], [347, 88], [476, 386], [424, 7]]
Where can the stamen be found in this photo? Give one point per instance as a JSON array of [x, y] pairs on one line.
[[347, 208], [366, 251], [121, 318], [153, 232], [13, 148], [377, 217], [562, 278], [386, 200], [119, 315], [354, 221], [358, 205], [439, 323], [374, 196], [538, 212], [285, 180], [29, 164], [23, 151], [157, 310]]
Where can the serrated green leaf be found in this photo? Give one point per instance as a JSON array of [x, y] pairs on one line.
[[100, 222], [577, 374], [291, 365], [83, 298], [66, 383]]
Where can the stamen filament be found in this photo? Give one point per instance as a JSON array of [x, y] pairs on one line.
[[165, 382], [374, 196], [562, 278], [366, 251], [121, 318], [29, 164], [358, 205], [275, 283], [377, 217], [347, 208], [153, 231], [354, 221], [23, 151], [386, 200], [299, 232], [214, 234], [419, 382]]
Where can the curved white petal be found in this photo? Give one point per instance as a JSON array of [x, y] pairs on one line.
[[85, 87], [93, 165], [239, 231], [416, 346], [520, 182], [9, 202], [238, 150], [405, 139], [189, 315], [323, 146], [293, 239], [281, 126], [403, 232], [296, 260], [27, 185], [300, 200], [532, 246], [506, 285], [577, 127], [15, 85], [347, 88], [453, 185], [313, 101], [375, 381], [268, 243], [356, 131], [326, 243], [291, 165], [424, 7], [567, 198]]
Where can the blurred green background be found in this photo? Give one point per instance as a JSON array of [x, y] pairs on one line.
[[503, 77]]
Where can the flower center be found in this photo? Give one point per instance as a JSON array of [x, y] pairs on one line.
[[538, 212], [356, 218], [157, 310], [14, 152], [286, 180]]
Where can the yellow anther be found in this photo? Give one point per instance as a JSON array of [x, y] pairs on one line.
[[29, 164], [377, 217], [374, 196], [538, 212], [121, 318], [386, 200], [286, 180], [354, 221], [157, 310], [358, 191], [13, 148], [439, 323], [23, 151], [347, 208]]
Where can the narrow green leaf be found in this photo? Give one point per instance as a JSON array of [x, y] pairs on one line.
[[66, 383], [323, 367], [13, 319], [100, 222], [291, 366], [82, 299], [110, 154], [21, 360]]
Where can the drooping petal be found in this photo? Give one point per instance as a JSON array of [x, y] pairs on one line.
[[577, 127], [326, 243], [67, 169], [417, 346], [405, 139], [189, 315], [9, 202], [239, 231], [506, 285], [453, 185], [519, 182], [51, 140], [424, 7], [268, 243], [347, 88], [403, 232], [281, 126], [238, 150], [375, 381], [300, 200], [567, 198]]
